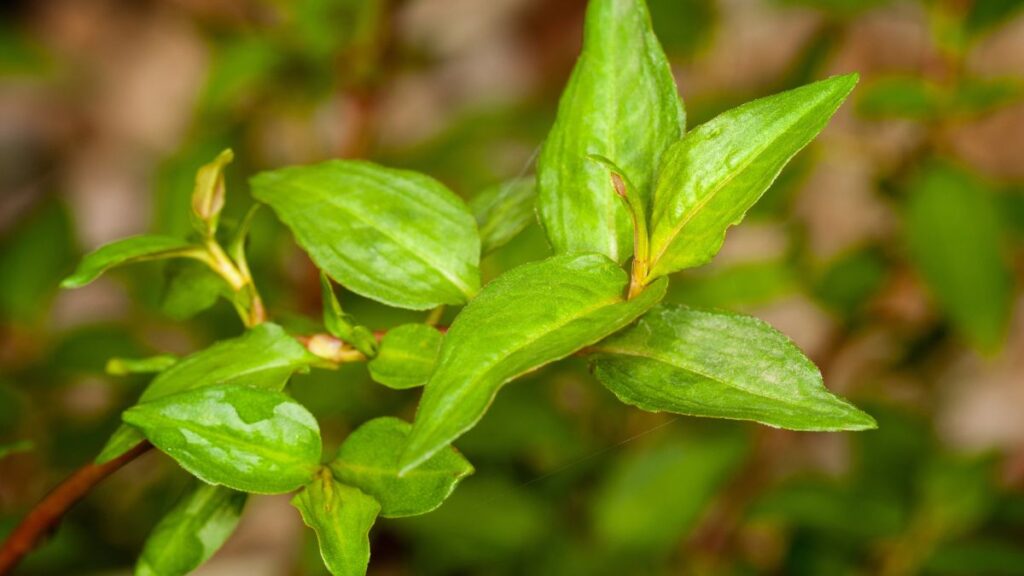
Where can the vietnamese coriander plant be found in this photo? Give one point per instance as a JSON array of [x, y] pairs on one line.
[[626, 197]]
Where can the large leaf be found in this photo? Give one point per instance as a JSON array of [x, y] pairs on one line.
[[127, 250], [244, 438], [368, 460], [710, 178], [953, 231], [395, 236], [342, 517], [526, 318], [720, 365], [263, 357], [407, 356], [191, 532], [503, 211], [621, 103]]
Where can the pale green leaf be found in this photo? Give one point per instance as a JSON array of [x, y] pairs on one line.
[[407, 356], [720, 365], [264, 357], [526, 318], [151, 364], [208, 194], [503, 211], [621, 103], [128, 250], [953, 232], [342, 517], [710, 178], [368, 460], [395, 236], [191, 532], [241, 437]]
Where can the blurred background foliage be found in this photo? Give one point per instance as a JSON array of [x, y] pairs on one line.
[[890, 250]]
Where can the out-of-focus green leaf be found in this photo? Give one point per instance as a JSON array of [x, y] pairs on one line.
[[953, 233], [651, 499], [263, 357], [190, 287], [148, 365], [526, 318], [747, 284], [683, 26], [191, 532], [977, 556], [395, 236], [407, 356], [368, 460], [980, 96], [239, 69], [341, 325], [710, 178], [850, 280], [987, 14], [241, 437], [956, 494], [900, 97], [18, 447], [342, 517], [720, 365], [503, 211], [841, 8], [21, 55], [128, 250], [33, 257], [830, 509], [621, 103]]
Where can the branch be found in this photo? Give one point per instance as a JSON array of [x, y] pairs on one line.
[[47, 514]]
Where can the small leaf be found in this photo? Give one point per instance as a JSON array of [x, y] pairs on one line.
[[125, 366], [395, 236], [342, 517], [368, 460], [191, 532], [19, 447], [526, 318], [710, 178], [341, 325], [407, 356], [720, 365], [208, 194], [621, 102], [244, 438], [128, 250], [899, 97], [263, 357], [953, 232], [191, 287], [503, 211]]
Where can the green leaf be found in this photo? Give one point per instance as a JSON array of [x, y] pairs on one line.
[[208, 194], [720, 365], [342, 517], [899, 97], [407, 356], [651, 499], [264, 357], [191, 287], [36, 250], [710, 178], [19, 447], [953, 232], [368, 460], [503, 211], [151, 364], [341, 325], [526, 318], [244, 438], [128, 250], [395, 236], [621, 103], [191, 532]]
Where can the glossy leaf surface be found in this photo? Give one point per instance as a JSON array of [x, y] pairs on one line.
[[342, 517], [127, 250], [720, 365], [407, 356]]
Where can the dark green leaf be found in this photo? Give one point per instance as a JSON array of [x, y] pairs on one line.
[[710, 178], [395, 236], [18, 447], [503, 211], [263, 357], [407, 356], [244, 438], [899, 97], [368, 460], [342, 517], [953, 232], [191, 532], [125, 366], [720, 365], [37, 253], [621, 103], [526, 318], [127, 250]]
